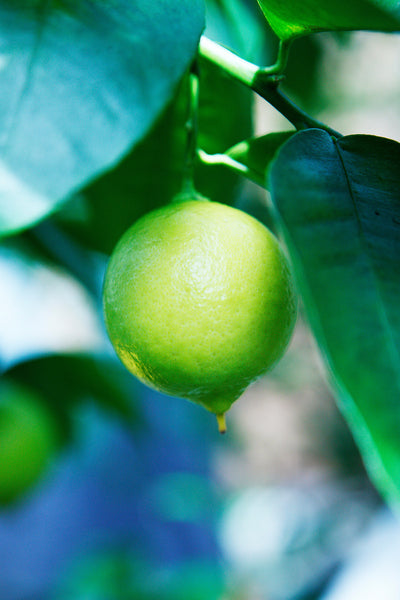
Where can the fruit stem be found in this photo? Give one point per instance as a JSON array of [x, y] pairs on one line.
[[221, 423], [191, 130]]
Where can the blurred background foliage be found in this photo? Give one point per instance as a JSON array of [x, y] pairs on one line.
[[135, 496]]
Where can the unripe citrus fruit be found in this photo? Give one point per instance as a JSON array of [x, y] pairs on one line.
[[29, 437], [199, 301]]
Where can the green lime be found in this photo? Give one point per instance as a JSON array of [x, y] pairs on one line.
[[29, 436], [199, 301]]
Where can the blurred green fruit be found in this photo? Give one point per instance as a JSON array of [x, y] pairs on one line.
[[29, 437], [199, 301]]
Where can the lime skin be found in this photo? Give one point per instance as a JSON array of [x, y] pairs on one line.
[[199, 301]]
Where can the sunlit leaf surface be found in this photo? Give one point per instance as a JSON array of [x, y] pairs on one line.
[[81, 82], [294, 18]]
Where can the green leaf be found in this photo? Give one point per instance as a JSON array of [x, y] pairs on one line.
[[152, 173], [293, 18], [257, 153], [81, 82], [338, 205], [238, 26]]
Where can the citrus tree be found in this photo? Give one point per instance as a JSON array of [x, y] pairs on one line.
[[115, 116]]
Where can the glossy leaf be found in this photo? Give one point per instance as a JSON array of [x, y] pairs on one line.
[[81, 82], [293, 18], [339, 207]]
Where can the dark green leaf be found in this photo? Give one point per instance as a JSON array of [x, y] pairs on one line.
[[294, 18], [81, 82], [339, 206]]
